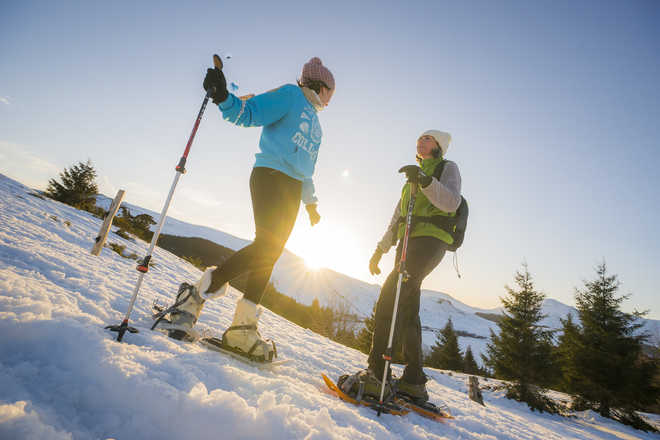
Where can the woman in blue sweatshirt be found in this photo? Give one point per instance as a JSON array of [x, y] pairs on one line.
[[282, 176]]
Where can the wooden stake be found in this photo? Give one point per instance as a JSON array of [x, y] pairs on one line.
[[105, 228], [473, 390]]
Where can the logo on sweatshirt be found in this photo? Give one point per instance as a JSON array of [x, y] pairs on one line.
[[317, 133]]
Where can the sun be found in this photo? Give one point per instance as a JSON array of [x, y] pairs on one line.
[[317, 252], [319, 247], [313, 263]]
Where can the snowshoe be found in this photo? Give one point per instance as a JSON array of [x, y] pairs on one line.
[[388, 406], [188, 304], [178, 323], [242, 336], [425, 409], [415, 398], [162, 322], [216, 344], [364, 385]]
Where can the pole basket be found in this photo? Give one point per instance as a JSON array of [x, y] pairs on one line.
[[121, 329]]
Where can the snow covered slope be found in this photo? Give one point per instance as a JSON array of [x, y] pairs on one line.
[[63, 376]]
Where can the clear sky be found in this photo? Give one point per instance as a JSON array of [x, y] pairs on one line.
[[554, 109]]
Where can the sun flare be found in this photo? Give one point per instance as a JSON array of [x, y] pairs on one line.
[[323, 247], [314, 262]]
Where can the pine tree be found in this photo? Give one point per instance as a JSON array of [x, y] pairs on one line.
[[343, 323], [138, 225], [141, 224], [78, 186], [445, 353], [569, 345], [366, 333], [470, 365], [522, 352], [322, 319], [607, 366]]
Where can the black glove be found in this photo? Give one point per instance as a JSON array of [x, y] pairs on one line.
[[215, 82], [416, 175], [314, 216], [373, 263]]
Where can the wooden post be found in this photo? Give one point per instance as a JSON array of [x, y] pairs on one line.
[[474, 393], [105, 228]]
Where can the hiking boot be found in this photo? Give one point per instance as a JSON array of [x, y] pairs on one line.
[[185, 315], [243, 337], [363, 383], [416, 392]]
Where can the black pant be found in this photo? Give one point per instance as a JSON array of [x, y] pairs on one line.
[[424, 254], [275, 203]]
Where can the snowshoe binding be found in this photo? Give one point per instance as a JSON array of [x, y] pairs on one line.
[[415, 398], [243, 338], [188, 304], [365, 388], [177, 323], [356, 384]]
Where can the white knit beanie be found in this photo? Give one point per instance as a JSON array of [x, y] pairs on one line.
[[443, 139]]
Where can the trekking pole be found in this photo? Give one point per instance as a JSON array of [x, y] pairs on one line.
[[143, 265], [402, 274]]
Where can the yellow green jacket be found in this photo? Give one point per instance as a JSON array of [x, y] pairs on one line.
[[441, 197]]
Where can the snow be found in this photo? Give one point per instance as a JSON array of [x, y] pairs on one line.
[[63, 376]]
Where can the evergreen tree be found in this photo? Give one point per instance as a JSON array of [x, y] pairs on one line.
[[142, 223], [469, 363], [445, 353], [366, 333], [345, 336], [607, 367], [343, 323], [78, 186], [522, 352], [569, 345], [322, 319], [138, 225]]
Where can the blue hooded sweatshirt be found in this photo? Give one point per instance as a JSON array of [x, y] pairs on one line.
[[291, 134]]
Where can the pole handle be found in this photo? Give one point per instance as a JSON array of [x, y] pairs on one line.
[[217, 61]]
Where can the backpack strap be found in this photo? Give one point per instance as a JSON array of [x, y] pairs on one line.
[[439, 169]]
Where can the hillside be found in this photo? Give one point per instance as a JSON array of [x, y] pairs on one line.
[[64, 376]]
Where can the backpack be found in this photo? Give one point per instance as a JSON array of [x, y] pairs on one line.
[[456, 225], [458, 234]]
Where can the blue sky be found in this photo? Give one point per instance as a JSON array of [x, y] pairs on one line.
[[553, 108]]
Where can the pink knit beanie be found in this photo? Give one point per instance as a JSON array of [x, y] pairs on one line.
[[314, 70]]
